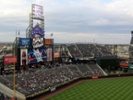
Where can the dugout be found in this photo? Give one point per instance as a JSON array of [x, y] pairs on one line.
[[108, 63]]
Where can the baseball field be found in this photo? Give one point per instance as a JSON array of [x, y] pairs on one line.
[[99, 89]]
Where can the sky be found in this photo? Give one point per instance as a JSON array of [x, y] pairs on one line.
[[86, 21]]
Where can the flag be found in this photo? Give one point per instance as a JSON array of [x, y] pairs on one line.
[[18, 32]]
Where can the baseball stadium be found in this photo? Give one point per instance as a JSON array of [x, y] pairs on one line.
[[37, 68]]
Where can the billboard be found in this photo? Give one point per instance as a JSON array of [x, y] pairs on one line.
[[24, 41], [37, 42], [24, 57], [10, 59], [56, 55], [37, 11], [37, 55], [48, 41]]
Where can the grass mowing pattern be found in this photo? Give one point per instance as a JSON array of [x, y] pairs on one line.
[[104, 89]]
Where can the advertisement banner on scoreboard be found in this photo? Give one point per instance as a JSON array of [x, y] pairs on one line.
[[37, 55], [24, 41], [49, 54], [24, 57], [10, 60], [37, 42], [48, 41]]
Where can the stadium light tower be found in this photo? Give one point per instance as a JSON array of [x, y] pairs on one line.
[[14, 61], [51, 35], [14, 74]]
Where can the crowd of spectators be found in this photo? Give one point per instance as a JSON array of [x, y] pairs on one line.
[[42, 78], [36, 80]]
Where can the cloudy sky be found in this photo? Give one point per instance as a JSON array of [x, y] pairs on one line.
[[101, 21]]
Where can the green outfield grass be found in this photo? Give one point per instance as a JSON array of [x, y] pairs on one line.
[[104, 89]]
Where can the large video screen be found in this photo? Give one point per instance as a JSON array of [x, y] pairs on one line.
[[37, 42], [37, 11], [37, 31], [37, 55]]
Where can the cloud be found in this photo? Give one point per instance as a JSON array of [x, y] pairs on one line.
[[90, 38], [72, 18], [94, 14]]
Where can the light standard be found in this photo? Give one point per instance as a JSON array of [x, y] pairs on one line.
[[14, 72], [14, 78], [52, 48]]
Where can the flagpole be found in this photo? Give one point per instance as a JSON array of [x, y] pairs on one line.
[[16, 33]]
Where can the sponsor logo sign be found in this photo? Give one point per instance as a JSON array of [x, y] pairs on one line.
[[10, 59]]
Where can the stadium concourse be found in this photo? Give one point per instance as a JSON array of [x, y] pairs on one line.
[[77, 61]]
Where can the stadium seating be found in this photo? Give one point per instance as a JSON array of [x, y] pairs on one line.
[[84, 70], [96, 71], [35, 81], [89, 50], [74, 50], [104, 50]]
